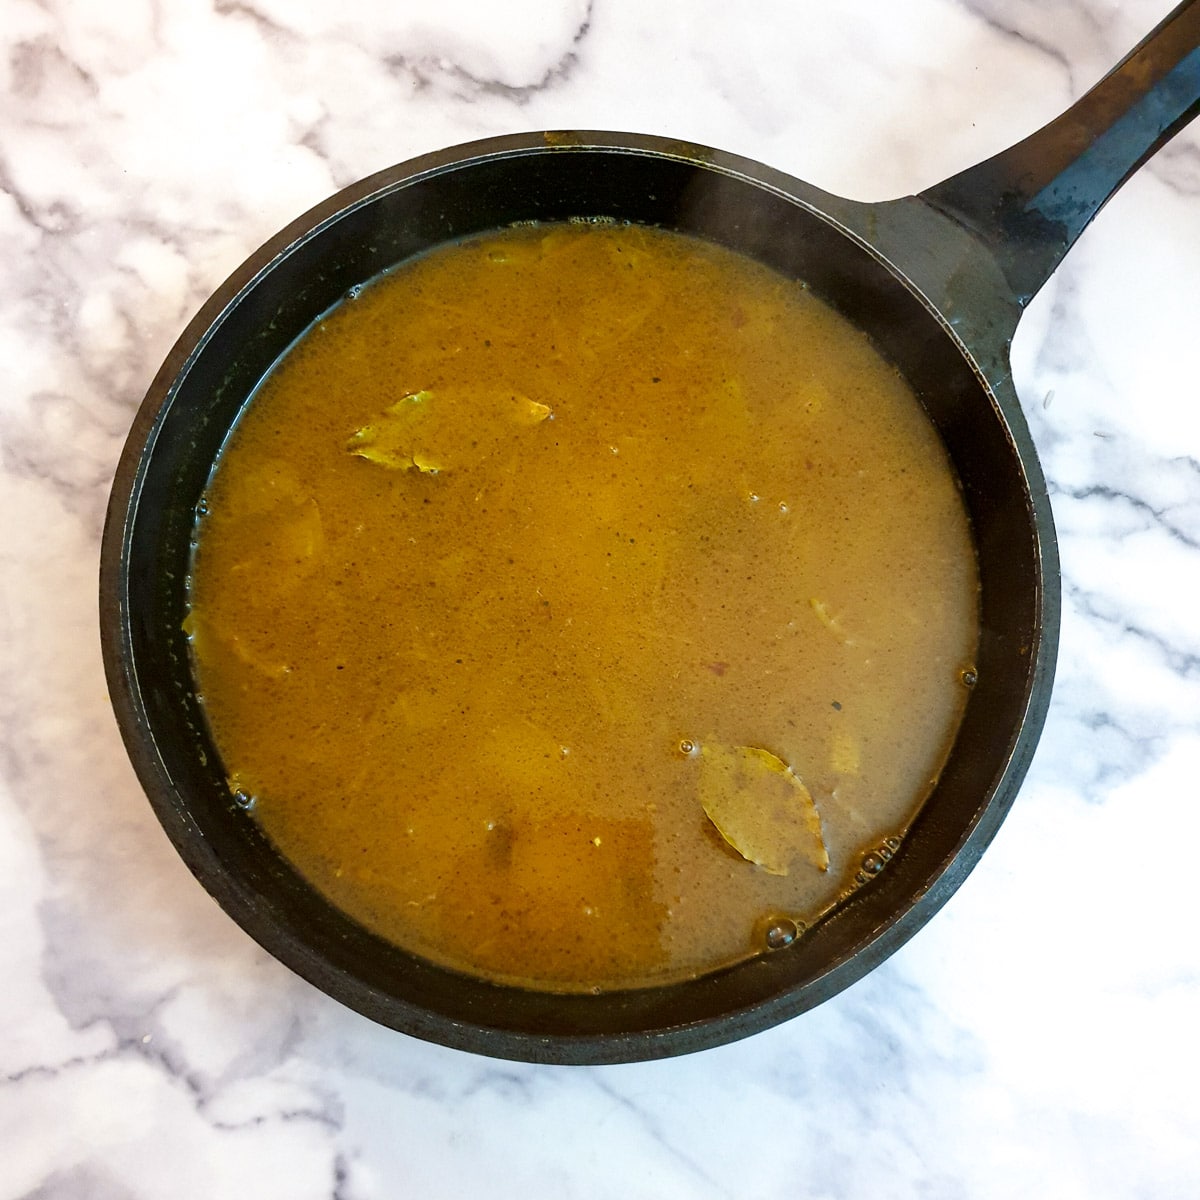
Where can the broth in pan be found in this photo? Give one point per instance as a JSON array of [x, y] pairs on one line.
[[580, 605]]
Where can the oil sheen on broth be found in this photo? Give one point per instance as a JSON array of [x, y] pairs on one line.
[[577, 603]]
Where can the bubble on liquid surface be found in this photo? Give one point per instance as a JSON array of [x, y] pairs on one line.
[[781, 932], [873, 862]]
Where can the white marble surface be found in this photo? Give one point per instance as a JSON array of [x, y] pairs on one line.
[[1038, 1038]]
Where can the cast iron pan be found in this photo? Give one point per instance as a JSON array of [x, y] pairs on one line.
[[939, 281]]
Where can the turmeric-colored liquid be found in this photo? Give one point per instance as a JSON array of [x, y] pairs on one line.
[[580, 603]]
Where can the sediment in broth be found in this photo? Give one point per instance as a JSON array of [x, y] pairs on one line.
[[579, 603]]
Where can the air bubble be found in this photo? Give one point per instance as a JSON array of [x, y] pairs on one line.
[[354, 292], [781, 933], [243, 799], [969, 677], [873, 862], [783, 508], [689, 747]]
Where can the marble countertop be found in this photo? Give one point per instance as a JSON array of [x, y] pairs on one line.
[[1038, 1037]]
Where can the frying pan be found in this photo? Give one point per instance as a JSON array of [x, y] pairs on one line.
[[938, 280]]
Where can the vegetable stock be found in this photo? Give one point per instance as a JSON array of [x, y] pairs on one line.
[[583, 606]]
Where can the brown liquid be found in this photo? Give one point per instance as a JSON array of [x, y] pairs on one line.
[[472, 660]]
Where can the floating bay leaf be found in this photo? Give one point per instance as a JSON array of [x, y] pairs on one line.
[[443, 430], [524, 411], [760, 807]]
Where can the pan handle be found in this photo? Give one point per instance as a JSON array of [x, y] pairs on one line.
[[1029, 203]]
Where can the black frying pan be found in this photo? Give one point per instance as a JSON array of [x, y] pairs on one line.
[[939, 280]]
